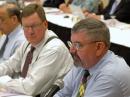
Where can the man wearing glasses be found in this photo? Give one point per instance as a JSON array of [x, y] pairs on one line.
[[109, 73], [40, 61], [10, 26]]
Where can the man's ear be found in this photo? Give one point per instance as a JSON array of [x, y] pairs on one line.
[[100, 46], [14, 19], [45, 24]]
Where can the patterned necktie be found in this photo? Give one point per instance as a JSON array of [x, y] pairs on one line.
[[82, 86], [27, 62], [3, 47]]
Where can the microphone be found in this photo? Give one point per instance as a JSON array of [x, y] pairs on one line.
[[59, 84]]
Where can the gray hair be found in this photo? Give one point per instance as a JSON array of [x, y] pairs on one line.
[[95, 29], [12, 10]]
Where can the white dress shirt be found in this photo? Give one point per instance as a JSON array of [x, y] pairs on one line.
[[50, 62]]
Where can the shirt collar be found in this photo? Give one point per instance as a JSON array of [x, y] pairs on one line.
[[15, 31], [100, 64], [48, 34]]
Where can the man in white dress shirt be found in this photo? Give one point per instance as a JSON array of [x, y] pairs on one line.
[[51, 59]]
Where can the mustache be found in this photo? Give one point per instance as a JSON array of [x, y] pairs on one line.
[[77, 60]]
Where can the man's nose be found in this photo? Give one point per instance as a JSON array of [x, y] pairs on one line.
[[72, 50]]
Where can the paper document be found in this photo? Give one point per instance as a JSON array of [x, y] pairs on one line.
[[4, 92], [11, 93]]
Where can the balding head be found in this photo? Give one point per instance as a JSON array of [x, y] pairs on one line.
[[10, 17]]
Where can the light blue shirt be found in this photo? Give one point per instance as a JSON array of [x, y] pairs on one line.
[[90, 5], [110, 77], [114, 6], [15, 39]]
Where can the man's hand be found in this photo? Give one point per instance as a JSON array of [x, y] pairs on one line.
[[92, 15]]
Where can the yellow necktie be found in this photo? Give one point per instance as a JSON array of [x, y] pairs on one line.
[[82, 86]]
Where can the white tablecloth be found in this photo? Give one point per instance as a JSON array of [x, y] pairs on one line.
[[2, 1], [121, 37], [57, 17], [120, 33]]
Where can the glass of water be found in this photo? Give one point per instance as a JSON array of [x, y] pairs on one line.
[[113, 21]]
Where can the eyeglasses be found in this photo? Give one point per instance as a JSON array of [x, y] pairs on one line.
[[78, 45], [33, 27]]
